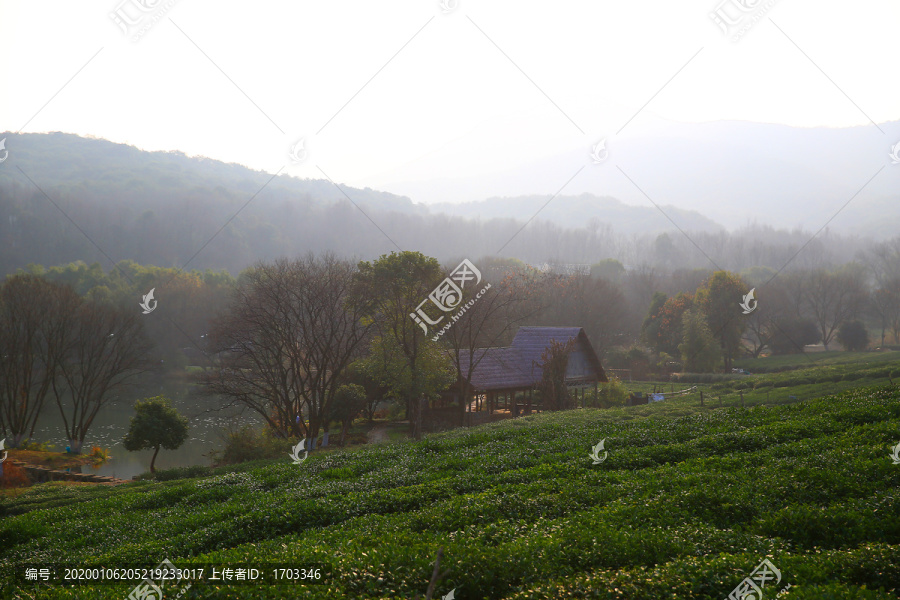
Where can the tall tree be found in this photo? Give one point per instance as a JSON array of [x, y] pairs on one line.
[[554, 362], [719, 299], [835, 297], [700, 351], [393, 289], [884, 305], [289, 334], [105, 349], [663, 329], [33, 330]]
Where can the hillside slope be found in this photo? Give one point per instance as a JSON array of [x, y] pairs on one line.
[[681, 508]]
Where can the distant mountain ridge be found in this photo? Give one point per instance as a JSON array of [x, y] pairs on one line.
[[584, 210], [731, 172], [64, 159], [65, 198]]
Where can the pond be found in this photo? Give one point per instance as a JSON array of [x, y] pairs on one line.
[[207, 422]]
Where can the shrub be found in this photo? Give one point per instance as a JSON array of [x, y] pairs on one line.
[[703, 377], [99, 455], [246, 444], [609, 395], [37, 447], [852, 335], [181, 473], [14, 476]]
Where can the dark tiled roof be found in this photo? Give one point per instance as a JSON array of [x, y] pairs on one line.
[[518, 365]]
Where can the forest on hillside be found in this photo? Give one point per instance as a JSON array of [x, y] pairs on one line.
[[65, 198]]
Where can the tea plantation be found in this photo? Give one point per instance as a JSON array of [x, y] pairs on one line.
[[681, 508]]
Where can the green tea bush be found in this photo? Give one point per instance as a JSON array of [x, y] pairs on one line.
[[681, 507], [180, 473], [609, 395], [248, 444]]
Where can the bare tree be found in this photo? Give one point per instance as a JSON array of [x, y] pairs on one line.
[[884, 305], [287, 337], [490, 321], [31, 332], [835, 297], [105, 349]]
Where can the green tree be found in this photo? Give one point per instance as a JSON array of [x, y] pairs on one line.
[[390, 367], [156, 425], [349, 401], [393, 288], [852, 335], [719, 299], [651, 324], [609, 269], [699, 351]]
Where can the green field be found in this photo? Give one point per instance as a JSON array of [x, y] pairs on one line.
[[683, 507], [812, 359]]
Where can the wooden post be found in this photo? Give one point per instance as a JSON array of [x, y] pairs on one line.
[[742, 398], [701, 397]]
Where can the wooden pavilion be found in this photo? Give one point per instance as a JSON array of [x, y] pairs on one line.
[[504, 379]]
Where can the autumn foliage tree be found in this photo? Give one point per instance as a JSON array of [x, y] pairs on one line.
[[663, 328]]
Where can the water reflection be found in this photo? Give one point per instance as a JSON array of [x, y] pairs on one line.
[[109, 427]]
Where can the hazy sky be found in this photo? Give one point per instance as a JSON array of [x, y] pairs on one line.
[[374, 86]]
